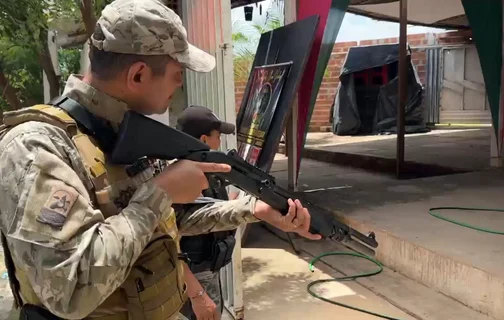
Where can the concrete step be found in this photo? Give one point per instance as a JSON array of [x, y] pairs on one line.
[[460, 263], [432, 153]]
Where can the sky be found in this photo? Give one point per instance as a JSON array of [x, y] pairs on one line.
[[354, 27]]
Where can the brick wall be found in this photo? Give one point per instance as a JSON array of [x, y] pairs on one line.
[[239, 91], [320, 121]]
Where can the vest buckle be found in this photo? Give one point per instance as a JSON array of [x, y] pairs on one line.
[[184, 257]]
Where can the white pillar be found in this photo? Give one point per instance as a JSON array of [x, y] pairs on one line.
[[53, 54], [84, 61], [47, 92]]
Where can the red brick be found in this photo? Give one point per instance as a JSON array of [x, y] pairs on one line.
[[327, 90], [332, 62], [366, 42], [345, 44], [420, 62], [333, 85], [320, 119], [418, 36], [415, 43], [392, 40], [420, 68], [340, 50], [322, 113]]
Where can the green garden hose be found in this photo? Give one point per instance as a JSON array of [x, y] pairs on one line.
[[380, 266], [362, 275], [462, 224]]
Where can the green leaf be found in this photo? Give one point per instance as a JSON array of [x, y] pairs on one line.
[[23, 35]]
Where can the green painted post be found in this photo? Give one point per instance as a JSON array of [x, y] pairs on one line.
[[485, 20]]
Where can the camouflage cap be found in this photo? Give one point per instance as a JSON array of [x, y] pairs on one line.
[[148, 27]]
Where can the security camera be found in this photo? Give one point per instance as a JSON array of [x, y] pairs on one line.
[[248, 13]]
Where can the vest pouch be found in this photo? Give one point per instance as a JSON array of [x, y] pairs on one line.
[[32, 312], [223, 253], [154, 287]]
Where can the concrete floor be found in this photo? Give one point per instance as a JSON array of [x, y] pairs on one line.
[[459, 262], [275, 281], [6, 300]]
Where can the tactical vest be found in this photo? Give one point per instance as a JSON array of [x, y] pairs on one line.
[[155, 288], [212, 251]]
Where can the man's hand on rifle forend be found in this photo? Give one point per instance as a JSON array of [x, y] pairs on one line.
[[184, 180], [296, 220]]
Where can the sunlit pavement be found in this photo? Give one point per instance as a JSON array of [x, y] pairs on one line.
[[275, 281]]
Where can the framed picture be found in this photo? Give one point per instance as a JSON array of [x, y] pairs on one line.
[[266, 85]]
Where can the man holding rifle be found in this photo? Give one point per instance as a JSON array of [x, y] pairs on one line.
[[85, 238], [208, 253]]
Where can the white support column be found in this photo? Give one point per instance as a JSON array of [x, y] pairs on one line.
[[45, 83], [53, 53], [290, 11], [209, 27], [84, 61]]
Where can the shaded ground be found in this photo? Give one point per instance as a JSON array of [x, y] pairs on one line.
[[466, 150]]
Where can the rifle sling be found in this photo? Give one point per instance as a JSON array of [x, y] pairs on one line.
[[96, 127]]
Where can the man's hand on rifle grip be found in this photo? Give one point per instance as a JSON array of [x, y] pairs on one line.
[[184, 180]]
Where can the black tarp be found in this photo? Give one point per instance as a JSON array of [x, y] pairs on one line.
[[370, 106]]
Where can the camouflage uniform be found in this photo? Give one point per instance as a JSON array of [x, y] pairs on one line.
[[75, 260]]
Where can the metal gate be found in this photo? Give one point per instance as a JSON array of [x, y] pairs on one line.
[[463, 98], [432, 85], [208, 24]]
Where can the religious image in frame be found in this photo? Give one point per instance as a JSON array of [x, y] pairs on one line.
[[265, 91]]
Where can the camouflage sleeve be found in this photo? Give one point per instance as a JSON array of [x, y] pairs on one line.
[[193, 219], [73, 256]]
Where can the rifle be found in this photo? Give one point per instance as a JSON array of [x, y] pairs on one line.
[[140, 136]]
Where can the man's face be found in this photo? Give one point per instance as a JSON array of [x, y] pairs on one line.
[[213, 140], [152, 94]]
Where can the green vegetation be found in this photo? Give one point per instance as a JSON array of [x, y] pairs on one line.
[[245, 40], [24, 54]]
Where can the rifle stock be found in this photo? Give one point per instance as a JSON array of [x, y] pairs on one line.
[[140, 136]]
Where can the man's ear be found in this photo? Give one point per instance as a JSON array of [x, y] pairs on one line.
[[203, 138], [138, 74]]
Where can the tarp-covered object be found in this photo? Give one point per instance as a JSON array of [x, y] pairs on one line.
[[367, 98]]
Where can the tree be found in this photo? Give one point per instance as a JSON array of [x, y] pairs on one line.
[[246, 38], [20, 76], [26, 23]]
